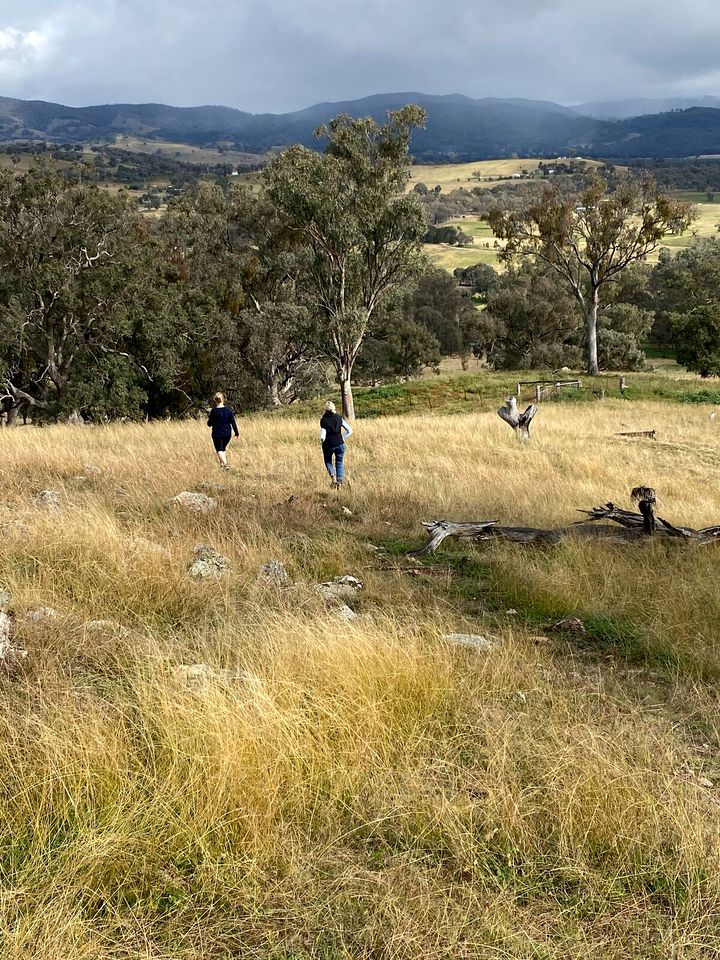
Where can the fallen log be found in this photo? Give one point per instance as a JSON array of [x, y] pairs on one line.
[[630, 527], [639, 433]]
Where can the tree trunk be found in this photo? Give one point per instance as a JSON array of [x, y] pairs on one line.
[[348, 404], [274, 394], [592, 315]]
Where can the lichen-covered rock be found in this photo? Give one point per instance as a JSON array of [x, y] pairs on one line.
[[208, 563], [274, 574], [474, 641], [196, 502], [49, 500], [340, 589]]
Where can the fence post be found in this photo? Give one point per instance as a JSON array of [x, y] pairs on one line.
[[538, 392], [517, 388], [623, 385]]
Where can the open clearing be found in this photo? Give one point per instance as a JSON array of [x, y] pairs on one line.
[[478, 173], [368, 790]]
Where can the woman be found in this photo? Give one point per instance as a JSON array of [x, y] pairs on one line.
[[334, 431], [222, 421]]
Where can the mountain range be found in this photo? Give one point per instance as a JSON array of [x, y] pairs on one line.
[[458, 127]]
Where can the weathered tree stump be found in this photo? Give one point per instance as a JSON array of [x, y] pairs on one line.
[[520, 422]]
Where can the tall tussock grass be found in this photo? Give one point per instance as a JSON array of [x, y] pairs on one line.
[[357, 788]]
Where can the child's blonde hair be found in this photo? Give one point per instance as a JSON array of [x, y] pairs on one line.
[[329, 406], [218, 399]]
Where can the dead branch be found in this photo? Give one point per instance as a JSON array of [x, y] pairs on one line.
[[630, 527]]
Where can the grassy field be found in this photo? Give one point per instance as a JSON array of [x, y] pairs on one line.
[[185, 151], [479, 173], [369, 790], [483, 251]]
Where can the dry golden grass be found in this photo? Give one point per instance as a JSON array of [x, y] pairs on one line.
[[369, 791], [482, 173]]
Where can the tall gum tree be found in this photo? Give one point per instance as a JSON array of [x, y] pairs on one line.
[[362, 234], [590, 237]]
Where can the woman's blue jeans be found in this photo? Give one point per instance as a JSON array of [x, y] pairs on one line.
[[336, 470]]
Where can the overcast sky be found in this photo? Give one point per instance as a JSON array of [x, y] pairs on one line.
[[275, 55]]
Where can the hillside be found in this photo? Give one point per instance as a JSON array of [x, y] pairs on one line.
[[234, 766], [458, 127]]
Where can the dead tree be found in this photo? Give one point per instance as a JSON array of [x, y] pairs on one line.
[[630, 527], [520, 422]]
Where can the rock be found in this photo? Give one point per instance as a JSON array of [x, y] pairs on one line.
[[16, 528], [196, 502], [274, 574], [10, 656], [5, 598], [472, 640], [340, 589], [147, 546], [569, 625], [49, 499], [371, 547], [345, 512], [208, 563], [104, 626], [200, 676], [42, 614], [344, 612], [5, 625], [512, 612]]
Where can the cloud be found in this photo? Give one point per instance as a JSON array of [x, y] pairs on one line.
[[284, 54]]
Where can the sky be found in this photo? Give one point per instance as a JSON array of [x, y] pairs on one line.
[[281, 55]]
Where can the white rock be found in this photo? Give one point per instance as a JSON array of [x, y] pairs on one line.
[[344, 612], [49, 499], [274, 573], [42, 614], [196, 502], [472, 640], [569, 625], [346, 512]]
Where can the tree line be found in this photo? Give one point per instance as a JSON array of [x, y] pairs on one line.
[[109, 313]]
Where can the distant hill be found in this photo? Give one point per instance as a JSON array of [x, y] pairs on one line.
[[640, 106], [458, 127]]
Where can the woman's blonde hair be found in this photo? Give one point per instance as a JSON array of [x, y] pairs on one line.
[[329, 406], [218, 399]]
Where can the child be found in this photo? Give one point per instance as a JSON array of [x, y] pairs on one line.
[[222, 421]]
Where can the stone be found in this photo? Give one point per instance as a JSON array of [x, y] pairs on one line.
[[473, 641], [340, 589], [344, 612], [41, 614], [195, 502], [49, 499], [5, 598], [345, 511], [274, 574], [511, 612], [5, 625], [569, 625], [200, 676], [208, 563]]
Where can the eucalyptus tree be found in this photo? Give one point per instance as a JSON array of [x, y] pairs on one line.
[[360, 231], [590, 238]]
